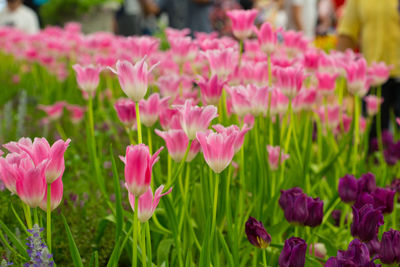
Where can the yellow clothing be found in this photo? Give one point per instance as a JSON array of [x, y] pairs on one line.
[[375, 25]]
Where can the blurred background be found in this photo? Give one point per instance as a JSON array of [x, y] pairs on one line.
[[316, 18]]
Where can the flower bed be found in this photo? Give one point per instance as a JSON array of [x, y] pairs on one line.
[[247, 152]]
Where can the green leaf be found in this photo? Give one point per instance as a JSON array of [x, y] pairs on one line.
[[118, 199], [163, 250], [94, 260], [14, 240], [76, 257]]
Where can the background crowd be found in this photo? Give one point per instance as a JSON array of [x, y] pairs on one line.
[[137, 17]]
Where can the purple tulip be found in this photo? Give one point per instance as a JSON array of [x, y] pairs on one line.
[[357, 255], [315, 212], [256, 233], [348, 188], [390, 247], [293, 253], [363, 199], [366, 183], [366, 222], [300, 208], [384, 198], [373, 246]]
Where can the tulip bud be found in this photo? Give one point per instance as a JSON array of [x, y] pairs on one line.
[[318, 249], [348, 188], [138, 168], [256, 233], [147, 203]]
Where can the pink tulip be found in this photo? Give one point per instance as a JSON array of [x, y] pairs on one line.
[[52, 157], [183, 49], [330, 115], [218, 149], [211, 89], [241, 100], [398, 121], [289, 80], [311, 60], [9, 170], [318, 249], [258, 99], [87, 77], [133, 79], [196, 119], [176, 142], [13, 147], [76, 113], [379, 73], [54, 112], [170, 119], [279, 103], [31, 187], [138, 168], [169, 85], [151, 108], [171, 32], [56, 195], [276, 156], [254, 73], [373, 103], [233, 130], [304, 100], [294, 42], [147, 202], [126, 112], [357, 82], [266, 38], [142, 46], [242, 22], [222, 62], [248, 121], [326, 82]]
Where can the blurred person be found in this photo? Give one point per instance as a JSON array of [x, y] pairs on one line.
[[129, 18], [326, 17], [192, 14], [219, 20], [19, 16], [374, 27], [302, 16], [273, 11]]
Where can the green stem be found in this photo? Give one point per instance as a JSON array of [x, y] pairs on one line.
[[356, 131], [215, 204], [130, 135], [28, 216], [180, 168], [35, 216], [148, 245], [240, 51], [61, 131], [49, 216], [265, 257], [97, 170], [149, 140], [139, 126], [135, 233], [143, 246]]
